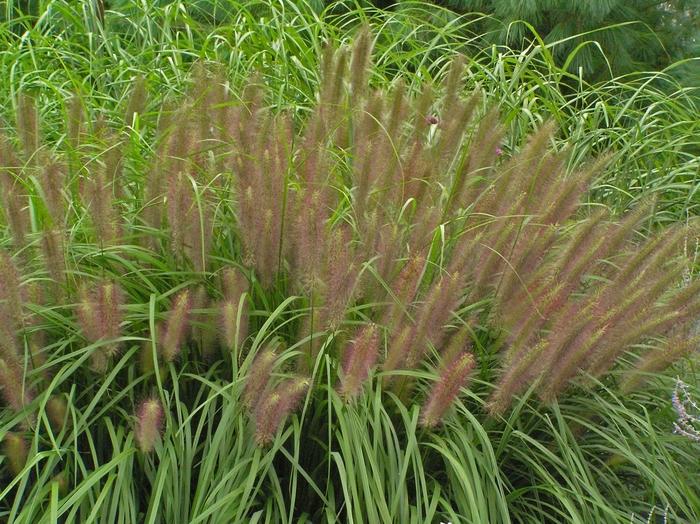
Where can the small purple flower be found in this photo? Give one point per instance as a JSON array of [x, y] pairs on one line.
[[432, 120], [499, 151]]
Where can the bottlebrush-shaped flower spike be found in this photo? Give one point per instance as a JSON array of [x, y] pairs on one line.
[[109, 299], [340, 276], [565, 196], [16, 450], [472, 180], [275, 406], [401, 345], [233, 332], [137, 100], [34, 294], [100, 317], [75, 119], [28, 125], [180, 211], [99, 311], [310, 230], [12, 194], [359, 357], [149, 424], [453, 377], [434, 313], [359, 64], [54, 258], [52, 186], [199, 235], [13, 384], [9, 343], [233, 285], [56, 410], [453, 83], [404, 290], [459, 342], [10, 294], [365, 155], [658, 359], [100, 201], [176, 326], [388, 243], [258, 377], [114, 164]]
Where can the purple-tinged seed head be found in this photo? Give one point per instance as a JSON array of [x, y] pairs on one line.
[[149, 424], [454, 376]]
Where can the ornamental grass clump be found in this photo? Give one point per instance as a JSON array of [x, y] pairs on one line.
[[382, 246], [400, 201]]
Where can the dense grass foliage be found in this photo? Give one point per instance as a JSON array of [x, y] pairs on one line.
[[242, 283], [651, 132]]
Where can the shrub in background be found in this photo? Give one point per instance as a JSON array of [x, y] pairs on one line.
[[597, 39]]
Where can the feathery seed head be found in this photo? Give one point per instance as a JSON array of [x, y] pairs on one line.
[[233, 284], [276, 406], [453, 377], [10, 293], [137, 100], [400, 347], [176, 326], [267, 418], [233, 332], [361, 55], [53, 251], [12, 194], [52, 186], [75, 119], [16, 450], [28, 124], [149, 424], [100, 203], [100, 317], [358, 359], [12, 382], [180, 211], [57, 409], [408, 280], [258, 377]]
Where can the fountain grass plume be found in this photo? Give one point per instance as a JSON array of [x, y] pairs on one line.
[[176, 326], [453, 376], [359, 357], [149, 424]]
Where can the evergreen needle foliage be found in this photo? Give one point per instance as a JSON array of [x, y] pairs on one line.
[[387, 308]]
